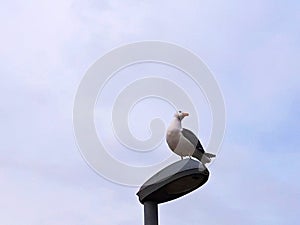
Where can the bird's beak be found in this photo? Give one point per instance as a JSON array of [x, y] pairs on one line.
[[185, 114]]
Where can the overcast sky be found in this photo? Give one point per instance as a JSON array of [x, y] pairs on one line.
[[253, 50]]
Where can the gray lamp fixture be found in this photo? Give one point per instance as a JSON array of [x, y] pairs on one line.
[[172, 182]]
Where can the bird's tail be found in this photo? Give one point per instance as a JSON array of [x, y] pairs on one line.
[[210, 155], [204, 157]]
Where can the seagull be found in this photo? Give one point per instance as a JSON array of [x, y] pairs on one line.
[[184, 142]]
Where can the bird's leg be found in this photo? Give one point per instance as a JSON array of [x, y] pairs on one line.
[[181, 157], [190, 157]]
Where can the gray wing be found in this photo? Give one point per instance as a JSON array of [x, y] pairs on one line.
[[193, 139]]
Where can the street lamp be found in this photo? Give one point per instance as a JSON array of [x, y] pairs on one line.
[[172, 182]]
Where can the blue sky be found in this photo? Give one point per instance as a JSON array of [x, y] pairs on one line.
[[252, 48]]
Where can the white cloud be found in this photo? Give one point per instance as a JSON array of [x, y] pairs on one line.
[[47, 46]]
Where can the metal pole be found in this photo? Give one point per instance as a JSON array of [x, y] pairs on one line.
[[150, 213]]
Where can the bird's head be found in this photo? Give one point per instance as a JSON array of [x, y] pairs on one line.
[[180, 115]]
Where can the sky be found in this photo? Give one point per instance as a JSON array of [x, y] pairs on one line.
[[251, 47]]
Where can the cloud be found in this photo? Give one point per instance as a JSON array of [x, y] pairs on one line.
[[40, 192], [46, 47]]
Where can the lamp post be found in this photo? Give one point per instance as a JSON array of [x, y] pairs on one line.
[[172, 182]]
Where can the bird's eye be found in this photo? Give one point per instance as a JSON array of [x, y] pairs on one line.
[[179, 111]]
